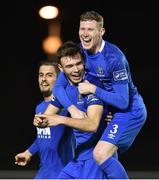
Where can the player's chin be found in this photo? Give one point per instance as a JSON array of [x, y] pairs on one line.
[[44, 89], [76, 80], [87, 45]]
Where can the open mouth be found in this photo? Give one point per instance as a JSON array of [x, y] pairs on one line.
[[76, 77], [44, 85], [86, 40]]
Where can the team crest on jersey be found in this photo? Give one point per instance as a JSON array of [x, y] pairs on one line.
[[100, 72], [80, 101], [120, 75]]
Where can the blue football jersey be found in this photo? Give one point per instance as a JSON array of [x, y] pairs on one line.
[[85, 141], [111, 67], [54, 146]]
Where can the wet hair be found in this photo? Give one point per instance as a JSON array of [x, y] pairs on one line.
[[46, 62], [71, 49], [92, 15]]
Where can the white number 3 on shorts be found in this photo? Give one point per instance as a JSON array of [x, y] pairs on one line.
[[115, 129]]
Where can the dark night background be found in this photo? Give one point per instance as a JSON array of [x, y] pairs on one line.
[[131, 26]]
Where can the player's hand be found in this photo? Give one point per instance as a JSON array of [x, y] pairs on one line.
[[40, 120], [37, 120], [76, 113], [86, 87], [51, 120], [109, 118], [23, 158]]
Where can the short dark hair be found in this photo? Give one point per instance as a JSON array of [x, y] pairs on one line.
[[46, 62], [71, 49], [92, 15]]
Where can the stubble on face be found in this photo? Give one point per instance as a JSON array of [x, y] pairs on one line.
[[47, 78]]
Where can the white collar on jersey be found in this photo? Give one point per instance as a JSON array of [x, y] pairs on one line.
[[102, 46]]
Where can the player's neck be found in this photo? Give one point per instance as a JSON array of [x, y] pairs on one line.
[[97, 48], [49, 98]]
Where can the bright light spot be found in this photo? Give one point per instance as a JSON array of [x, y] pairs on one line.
[[48, 12], [51, 44]]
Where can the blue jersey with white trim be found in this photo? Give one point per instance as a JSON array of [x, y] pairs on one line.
[[53, 144], [112, 69], [110, 66]]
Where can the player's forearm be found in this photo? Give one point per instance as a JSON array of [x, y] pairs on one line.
[[33, 148], [119, 99], [75, 112], [84, 124]]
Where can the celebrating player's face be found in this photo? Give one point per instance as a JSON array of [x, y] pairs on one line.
[[90, 34], [47, 78], [73, 68]]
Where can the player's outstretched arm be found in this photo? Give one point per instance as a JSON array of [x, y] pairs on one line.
[[89, 123]]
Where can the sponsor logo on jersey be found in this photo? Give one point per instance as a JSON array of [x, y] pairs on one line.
[[44, 133], [91, 98], [120, 75]]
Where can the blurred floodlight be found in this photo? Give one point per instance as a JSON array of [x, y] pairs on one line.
[[48, 12], [51, 44]]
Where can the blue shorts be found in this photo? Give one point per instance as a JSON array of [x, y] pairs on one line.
[[124, 128], [82, 169]]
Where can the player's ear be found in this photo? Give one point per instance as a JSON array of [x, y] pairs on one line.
[[60, 67], [102, 31]]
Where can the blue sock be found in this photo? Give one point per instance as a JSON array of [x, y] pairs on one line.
[[113, 169]]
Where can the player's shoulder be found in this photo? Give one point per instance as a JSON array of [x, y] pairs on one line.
[[113, 53], [55, 102], [112, 49], [40, 102], [39, 106]]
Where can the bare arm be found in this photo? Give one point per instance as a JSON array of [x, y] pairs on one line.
[[51, 109], [75, 112], [89, 123]]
